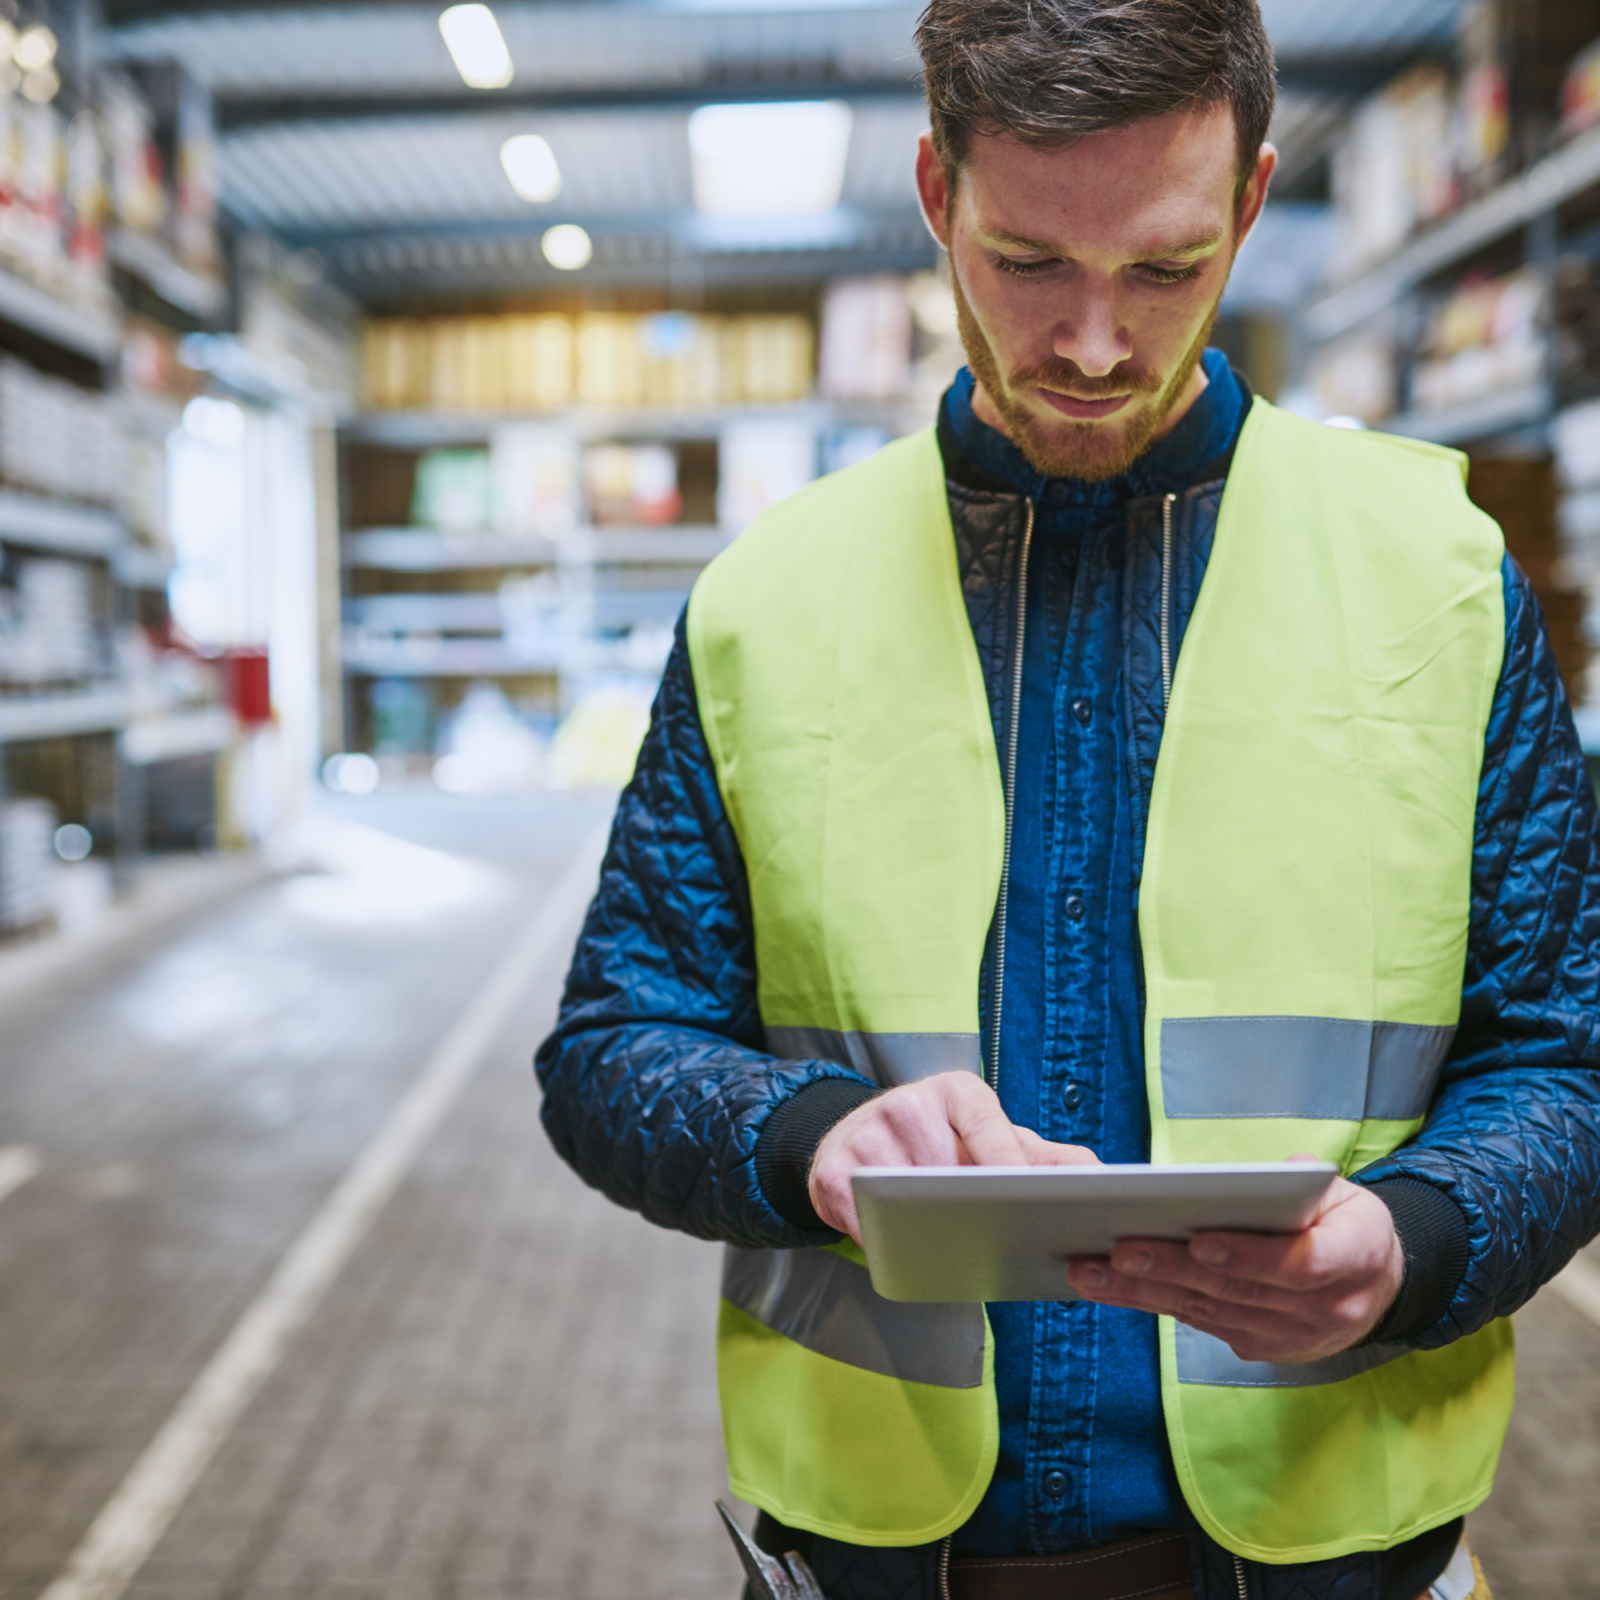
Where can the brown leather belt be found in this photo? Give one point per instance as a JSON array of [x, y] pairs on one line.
[[1155, 1567]]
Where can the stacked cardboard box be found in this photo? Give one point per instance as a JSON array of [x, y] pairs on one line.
[[615, 361], [1520, 493]]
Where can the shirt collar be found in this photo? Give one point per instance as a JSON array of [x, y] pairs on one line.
[[1179, 461]]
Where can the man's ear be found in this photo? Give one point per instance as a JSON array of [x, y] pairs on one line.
[[1255, 190], [933, 190]]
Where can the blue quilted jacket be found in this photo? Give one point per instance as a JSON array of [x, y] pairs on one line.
[[658, 1089]]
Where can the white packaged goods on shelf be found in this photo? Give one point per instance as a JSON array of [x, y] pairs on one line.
[[761, 460], [534, 468], [58, 439], [47, 631], [27, 832], [866, 339]]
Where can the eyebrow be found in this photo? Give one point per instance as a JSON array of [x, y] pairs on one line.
[[1017, 241]]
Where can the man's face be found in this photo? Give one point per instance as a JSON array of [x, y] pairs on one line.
[[1087, 278]]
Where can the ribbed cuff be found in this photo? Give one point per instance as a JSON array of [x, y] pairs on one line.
[[790, 1139], [1437, 1244]]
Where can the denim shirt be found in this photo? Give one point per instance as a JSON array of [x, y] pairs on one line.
[[1083, 1449]]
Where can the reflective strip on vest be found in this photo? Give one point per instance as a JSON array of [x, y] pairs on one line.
[[1202, 1359], [827, 1303], [1321, 1068], [886, 1058]]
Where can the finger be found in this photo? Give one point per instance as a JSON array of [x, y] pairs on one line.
[[1099, 1282], [1162, 1262], [1352, 1240], [988, 1136], [1047, 1153]]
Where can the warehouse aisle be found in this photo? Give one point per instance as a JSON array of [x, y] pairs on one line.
[[508, 1389]]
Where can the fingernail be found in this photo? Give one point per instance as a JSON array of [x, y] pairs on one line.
[[1135, 1262], [1092, 1277], [1210, 1252]]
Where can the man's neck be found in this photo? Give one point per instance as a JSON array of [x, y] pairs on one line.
[[984, 409]]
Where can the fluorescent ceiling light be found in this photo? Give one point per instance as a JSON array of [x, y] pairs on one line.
[[530, 164], [476, 45], [780, 159], [35, 48], [566, 247]]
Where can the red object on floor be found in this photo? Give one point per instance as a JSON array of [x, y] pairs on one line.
[[249, 685]]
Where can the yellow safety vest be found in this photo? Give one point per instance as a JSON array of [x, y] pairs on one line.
[[1303, 919]]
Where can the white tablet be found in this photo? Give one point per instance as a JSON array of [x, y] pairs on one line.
[[1006, 1233]]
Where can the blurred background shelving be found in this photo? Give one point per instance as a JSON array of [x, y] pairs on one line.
[[349, 409]]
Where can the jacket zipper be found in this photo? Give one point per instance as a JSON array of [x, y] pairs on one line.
[[1166, 598], [1238, 1573], [944, 1566], [1011, 796]]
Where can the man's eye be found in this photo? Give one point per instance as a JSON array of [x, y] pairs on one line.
[[1171, 274], [1024, 269]]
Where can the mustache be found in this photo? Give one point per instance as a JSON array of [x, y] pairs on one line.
[[1067, 378]]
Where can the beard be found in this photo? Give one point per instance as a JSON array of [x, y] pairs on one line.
[[1091, 451]]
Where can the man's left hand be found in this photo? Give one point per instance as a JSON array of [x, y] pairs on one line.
[[1271, 1297]]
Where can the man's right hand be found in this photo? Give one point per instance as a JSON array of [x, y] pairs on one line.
[[952, 1120]]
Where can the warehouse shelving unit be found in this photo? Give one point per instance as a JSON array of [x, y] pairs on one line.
[[1532, 222], [604, 581], [94, 713], [99, 723]]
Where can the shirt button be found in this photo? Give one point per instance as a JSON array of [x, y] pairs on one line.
[[1075, 907], [1055, 1484], [1072, 1096], [1083, 710]]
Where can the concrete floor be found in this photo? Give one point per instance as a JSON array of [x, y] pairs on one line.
[[507, 1392]]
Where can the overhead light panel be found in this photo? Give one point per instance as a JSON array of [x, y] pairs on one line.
[[777, 159], [35, 48], [567, 247], [476, 45], [530, 164]]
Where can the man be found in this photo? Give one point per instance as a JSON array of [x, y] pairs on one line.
[[1127, 772]]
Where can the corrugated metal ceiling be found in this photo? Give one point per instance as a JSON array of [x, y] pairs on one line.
[[400, 179], [399, 47]]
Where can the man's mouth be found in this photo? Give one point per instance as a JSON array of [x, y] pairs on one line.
[[1084, 410]]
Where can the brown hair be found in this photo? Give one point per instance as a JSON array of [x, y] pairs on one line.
[[1047, 72]]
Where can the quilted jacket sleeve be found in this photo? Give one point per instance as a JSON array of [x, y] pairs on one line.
[[1514, 1134], [656, 1088]]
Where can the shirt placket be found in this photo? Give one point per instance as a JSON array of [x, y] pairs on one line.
[[1072, 1069]]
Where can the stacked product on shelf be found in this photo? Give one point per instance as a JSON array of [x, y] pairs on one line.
[[1523, 79], [549, 549], [1356, 378], [1486, 336], [27, 834], [114, 179], [48, 627], [1397, 167], [59, 439], [543, 362]]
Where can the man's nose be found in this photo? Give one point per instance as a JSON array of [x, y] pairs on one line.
[[1092, 337]]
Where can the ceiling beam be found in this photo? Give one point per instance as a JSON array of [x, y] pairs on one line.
[[237, 113], [846, 227], [628, 249]]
